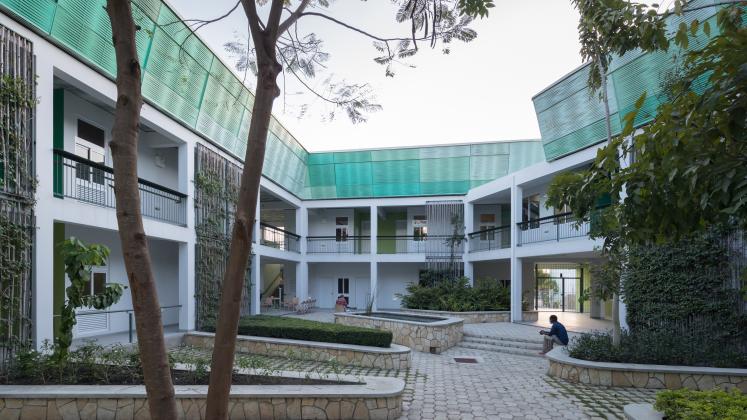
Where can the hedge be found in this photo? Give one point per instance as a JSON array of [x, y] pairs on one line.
[[301, 329], [457, 296], [686, 404]]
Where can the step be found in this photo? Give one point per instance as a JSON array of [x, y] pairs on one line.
[[503, 343], [498, 349], [506, 338]]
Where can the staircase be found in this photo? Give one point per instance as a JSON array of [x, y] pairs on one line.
[[499, 344], [273, 286]]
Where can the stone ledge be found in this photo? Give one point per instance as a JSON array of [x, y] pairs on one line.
[[395, 357], [393, 348], [643, 376], [561, 355], [470, 317], [375, 398], [433, 337]]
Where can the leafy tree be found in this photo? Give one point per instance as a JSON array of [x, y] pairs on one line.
[[276, 46], [687, 170], [78, 259]]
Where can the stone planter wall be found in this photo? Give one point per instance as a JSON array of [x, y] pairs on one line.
[[643, 376], [530, 316], [433, 337], [476, 317], [394, 357], [380, 398]]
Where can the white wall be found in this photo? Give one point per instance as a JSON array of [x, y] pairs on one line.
[[322, 221], [393, 279], [165, 259], [323, 282], [496, 269], [77, 108]]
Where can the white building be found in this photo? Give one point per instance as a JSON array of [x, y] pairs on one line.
[[355, 223]]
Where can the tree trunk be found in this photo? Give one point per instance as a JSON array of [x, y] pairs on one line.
[[616, 330], [241, 238], [145, 302]]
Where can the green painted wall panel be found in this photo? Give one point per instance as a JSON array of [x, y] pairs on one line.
[[396, 171]]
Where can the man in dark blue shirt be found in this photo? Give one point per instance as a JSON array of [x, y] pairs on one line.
[[556, 335]]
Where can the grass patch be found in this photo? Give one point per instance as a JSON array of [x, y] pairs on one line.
[[302, 329]]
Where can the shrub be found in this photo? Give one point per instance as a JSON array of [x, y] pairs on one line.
[[457, 296], [686, 404], [301, 329], [686, 292], [655, 347]]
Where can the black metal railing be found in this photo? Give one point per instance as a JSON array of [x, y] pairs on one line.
[[275, 237], [338, 245], [489, 239], [552, 228], [93, 183], [415, 244], [130, 313]]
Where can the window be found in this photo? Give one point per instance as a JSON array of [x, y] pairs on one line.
[[419, 228], [487, 224], [97, 282], [530, 211], [89, 144], [341, 230], [343, 288]]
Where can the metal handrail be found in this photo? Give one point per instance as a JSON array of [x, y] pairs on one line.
[[74, 157], [277, 229], [129, 312], [495, 229]]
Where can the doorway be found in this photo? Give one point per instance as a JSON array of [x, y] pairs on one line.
[[559, 287]]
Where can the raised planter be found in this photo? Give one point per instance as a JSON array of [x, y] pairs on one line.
[[394, 357], [377, 398], [430, 337], [473, 317], [631, 375]]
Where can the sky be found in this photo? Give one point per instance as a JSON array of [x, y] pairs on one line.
[[481, 91]]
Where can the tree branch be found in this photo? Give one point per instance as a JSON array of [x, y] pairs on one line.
[[360, 31], [293, 17]]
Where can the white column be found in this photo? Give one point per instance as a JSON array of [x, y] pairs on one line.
[[374, 284], [257, 228], [516, 263], [302, 280], [302, 228], [187, 285], [43, 288], [469, 225], [469, 272], [256, 276], [374, 230], [187, 312], [623, 315]]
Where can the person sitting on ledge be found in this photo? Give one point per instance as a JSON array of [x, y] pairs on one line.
[[556, 335]]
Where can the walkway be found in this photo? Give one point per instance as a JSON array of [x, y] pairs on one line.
[[573, 322]]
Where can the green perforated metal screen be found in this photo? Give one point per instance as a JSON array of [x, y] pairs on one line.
[[570, 118], [185, 79]]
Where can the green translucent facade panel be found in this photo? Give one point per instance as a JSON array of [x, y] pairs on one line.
[[181, 75], [432, 170], [570, 119], [183, 78]]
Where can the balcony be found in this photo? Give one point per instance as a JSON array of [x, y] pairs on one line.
[[338, 245], [275, 237], [490, 239], [552, 228], [93, 183], [416, 245]]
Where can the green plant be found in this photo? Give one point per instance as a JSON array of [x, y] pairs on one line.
[[685, 404], [78, 259], [301, 329], [457, 296]]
